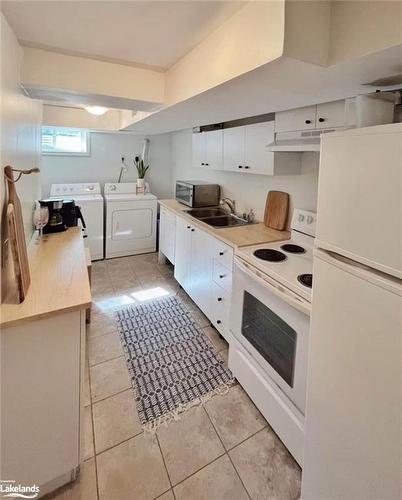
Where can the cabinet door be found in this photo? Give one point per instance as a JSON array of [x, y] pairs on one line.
[[233, 148], [331, 114], [167, 234], [295, 119], [202, 246], [257, 158], [182, 252], [214, 149], [198, 151]]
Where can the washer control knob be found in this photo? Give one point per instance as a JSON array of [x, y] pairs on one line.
[[301, 217]]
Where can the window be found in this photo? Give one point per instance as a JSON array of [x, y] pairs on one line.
[[65, 141]]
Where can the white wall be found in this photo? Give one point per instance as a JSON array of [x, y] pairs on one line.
[[20, 133], [103, 165], [249, 191]]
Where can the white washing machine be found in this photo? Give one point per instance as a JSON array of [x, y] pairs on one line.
[[130, 220], [89, 198]]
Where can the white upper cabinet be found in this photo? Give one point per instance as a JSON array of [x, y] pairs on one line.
[[257, 158], [208, 149], [326, 115], [233, 148], [331, 115], [245, 150], [295, 119]]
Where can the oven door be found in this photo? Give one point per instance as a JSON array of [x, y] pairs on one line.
[[272, 323], [185, 193]]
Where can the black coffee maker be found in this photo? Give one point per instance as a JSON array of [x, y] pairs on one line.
[[62, 215]]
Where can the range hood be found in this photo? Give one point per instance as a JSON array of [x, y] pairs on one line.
[[303, 140]]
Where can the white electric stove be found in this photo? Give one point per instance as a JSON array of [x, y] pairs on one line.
[[269, 322], [289, 262]]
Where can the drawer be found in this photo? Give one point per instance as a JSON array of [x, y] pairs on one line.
[[220, 310], [222, 276], [223, 254]]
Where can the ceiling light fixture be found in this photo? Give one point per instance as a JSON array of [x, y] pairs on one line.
[[96, 110]]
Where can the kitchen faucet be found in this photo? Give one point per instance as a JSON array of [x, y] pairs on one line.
[[230, 203]]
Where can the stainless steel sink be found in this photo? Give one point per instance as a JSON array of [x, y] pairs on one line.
[[217, 217], [202, 213], [225, 221]]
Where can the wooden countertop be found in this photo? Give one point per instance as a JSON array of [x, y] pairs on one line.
[[59, 279], [240, 236]]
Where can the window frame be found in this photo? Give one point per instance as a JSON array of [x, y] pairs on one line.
[[68, 153]]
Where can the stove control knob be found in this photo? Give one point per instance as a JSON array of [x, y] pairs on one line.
[[91, 188], [301, 217], [309, 219]]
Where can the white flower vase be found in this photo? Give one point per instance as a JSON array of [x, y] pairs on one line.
[[141, 183]]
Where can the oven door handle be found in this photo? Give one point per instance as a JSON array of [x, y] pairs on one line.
[[277, 289]]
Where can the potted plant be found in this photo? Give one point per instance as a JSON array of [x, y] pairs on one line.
[[141, 169]]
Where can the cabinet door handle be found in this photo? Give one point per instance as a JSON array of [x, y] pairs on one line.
[[222, 276], [221, 253], [207, 164], [321, 120], [202, 163], [192, 229], [308, 122], [240, 166], [219, 322], [188, 227], [246, 166], [219, 299]]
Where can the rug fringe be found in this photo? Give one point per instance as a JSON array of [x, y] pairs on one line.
[[175, 414]]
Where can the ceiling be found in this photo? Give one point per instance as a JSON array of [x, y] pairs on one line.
[[146, 33]]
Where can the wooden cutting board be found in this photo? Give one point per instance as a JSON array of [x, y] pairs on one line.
[[276, 210], [16, 237]]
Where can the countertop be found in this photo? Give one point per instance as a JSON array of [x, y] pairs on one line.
[[240, 236], [59, 279]]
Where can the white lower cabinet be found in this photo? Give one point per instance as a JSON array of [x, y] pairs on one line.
[[167, 234], [182, 252], [203, 267]]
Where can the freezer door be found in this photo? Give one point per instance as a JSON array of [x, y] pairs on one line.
[[353, 412], [359, 196]]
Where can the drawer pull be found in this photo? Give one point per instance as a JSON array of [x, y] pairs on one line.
[[221, 253], [222, 276], [192, 229], [188, 227], [218, 322], [219, 299]]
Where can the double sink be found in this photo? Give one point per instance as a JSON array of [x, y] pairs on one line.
[[217, 217]]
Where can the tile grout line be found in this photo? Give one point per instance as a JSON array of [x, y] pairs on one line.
[[119, 443], [164, 463], [227, 454], [93, 429]]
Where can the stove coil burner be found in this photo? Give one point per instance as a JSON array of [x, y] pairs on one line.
[[306, 280], [290, 248], [270, 255]]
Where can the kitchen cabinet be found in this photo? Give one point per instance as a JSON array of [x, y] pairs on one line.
[[331, 115], [167, 234], [245, 150], [201, 268], [42, 366], [182, 252], [208, 149], [200, 261], [325, 115]]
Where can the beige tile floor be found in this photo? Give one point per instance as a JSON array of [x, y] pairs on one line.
[[222, 450]]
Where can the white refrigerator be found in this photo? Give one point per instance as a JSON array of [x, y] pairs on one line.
[[353, 432]]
